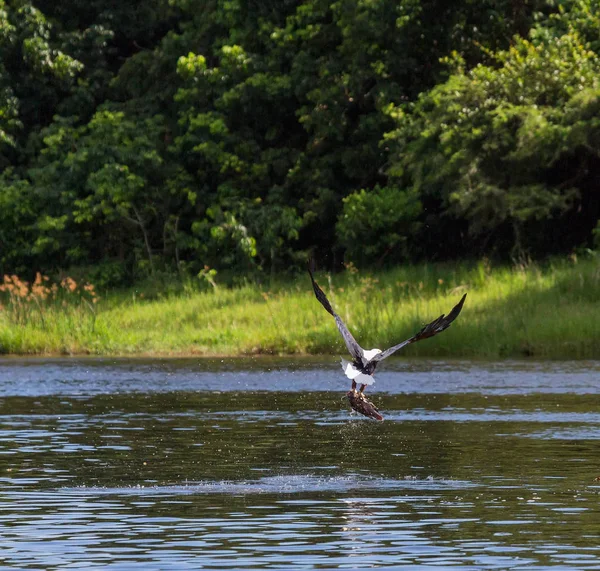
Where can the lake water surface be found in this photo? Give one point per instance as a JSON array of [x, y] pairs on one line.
[[259, 464]]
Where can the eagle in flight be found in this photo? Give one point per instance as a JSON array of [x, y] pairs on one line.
[[364, 362]]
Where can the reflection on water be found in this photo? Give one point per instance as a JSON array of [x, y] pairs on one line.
[[188, 465]]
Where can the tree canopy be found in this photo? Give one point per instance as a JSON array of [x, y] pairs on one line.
[[173, 135]]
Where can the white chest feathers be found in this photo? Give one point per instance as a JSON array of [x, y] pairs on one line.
[[368, 355], [355, 375]]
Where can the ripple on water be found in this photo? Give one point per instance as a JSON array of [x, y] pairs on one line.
[[285, 484], [566, 433]]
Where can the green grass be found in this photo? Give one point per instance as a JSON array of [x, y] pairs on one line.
[[549, 311]]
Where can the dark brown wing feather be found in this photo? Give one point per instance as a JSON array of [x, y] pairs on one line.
[[353, 347], [440, 324]]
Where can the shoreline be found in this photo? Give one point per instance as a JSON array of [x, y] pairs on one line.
[[308, 357], [549, 312]]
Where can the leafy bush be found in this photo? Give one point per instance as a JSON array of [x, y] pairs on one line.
[[378, 224], [510, 147]]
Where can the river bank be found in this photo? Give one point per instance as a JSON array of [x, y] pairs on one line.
[[541, 311]]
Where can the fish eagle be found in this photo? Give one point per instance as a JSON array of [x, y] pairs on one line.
[[364, 362]]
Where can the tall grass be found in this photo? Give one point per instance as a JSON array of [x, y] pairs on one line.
[[549, 311]]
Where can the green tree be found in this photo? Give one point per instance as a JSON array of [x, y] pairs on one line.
[[18, 215], [508, 147], [111, 179], [240, 135], [379, 224], [34, 74]]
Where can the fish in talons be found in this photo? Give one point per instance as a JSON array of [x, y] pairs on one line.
[[364, 362]]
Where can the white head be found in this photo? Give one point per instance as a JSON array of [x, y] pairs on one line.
[[371, 353]]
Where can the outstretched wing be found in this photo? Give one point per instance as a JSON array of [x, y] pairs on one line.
[[353, 347], [440, 324]]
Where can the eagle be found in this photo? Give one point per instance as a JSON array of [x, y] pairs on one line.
[[364, 362]]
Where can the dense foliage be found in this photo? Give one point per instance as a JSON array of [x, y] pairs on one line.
[[172, 135]]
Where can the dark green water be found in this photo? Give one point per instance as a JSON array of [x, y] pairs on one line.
[[258, 464]]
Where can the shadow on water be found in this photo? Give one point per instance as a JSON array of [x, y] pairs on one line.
[[186, 464]]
